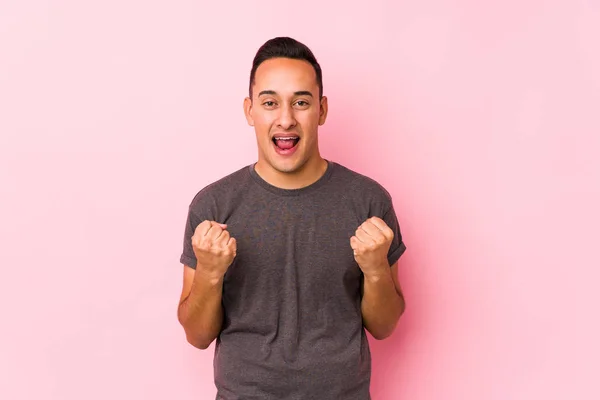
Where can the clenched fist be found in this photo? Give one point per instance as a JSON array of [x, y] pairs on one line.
[[214, 248], [371, 244]]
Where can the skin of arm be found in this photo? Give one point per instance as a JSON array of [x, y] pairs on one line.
[[382, 302], [200, 311]]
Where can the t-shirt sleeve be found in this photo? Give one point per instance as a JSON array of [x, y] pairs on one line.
[[397, 248], [187, 256], [201, 208]]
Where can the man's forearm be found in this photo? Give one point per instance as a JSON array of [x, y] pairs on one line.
[[201, 313], [381, 305]]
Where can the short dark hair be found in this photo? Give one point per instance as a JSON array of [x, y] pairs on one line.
[[285, 47]]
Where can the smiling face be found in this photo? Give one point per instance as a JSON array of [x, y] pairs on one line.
[[285, 111]]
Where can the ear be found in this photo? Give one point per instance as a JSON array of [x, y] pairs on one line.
[[248, 111], [323, 110]]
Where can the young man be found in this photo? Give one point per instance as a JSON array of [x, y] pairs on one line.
[[288, 260]]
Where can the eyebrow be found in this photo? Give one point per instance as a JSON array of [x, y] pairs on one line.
[[297, 93]]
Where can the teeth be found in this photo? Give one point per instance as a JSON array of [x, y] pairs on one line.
[[286, 138]]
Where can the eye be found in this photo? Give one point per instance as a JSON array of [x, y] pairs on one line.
[[302, 103], [269, 104]]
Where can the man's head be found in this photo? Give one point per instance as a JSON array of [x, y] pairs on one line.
[[286, 106], [285, 47]]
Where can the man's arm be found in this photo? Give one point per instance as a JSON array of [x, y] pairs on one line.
[[200, 311], [382, 301]]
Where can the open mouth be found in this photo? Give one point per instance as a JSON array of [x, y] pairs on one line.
[[286, 145]]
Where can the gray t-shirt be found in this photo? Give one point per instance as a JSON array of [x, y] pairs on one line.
[[292, 324]]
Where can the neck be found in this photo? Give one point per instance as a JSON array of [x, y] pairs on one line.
[[308, 174]]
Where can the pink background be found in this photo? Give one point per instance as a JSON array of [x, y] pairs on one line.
[[481, 118]]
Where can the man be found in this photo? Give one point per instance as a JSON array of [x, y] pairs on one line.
[[288, 260]]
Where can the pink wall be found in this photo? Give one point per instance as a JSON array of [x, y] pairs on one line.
[[481, 118]]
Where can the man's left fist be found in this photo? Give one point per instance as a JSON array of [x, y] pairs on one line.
[[371, 244]]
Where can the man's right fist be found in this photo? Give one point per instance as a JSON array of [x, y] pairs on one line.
[[214, 248]]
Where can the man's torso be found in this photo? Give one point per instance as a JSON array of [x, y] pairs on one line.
[[292, 320]]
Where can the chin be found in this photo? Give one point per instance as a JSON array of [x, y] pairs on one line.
[[288, 166]]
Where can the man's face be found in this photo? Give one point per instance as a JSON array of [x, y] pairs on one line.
[[286, 112]]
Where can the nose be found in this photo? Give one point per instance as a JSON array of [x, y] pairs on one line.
[[286, 117]]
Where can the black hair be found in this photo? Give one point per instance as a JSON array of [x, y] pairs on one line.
[[285, 47]]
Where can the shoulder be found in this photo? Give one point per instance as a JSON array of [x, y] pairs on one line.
[[225, 187], [361, 186]]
